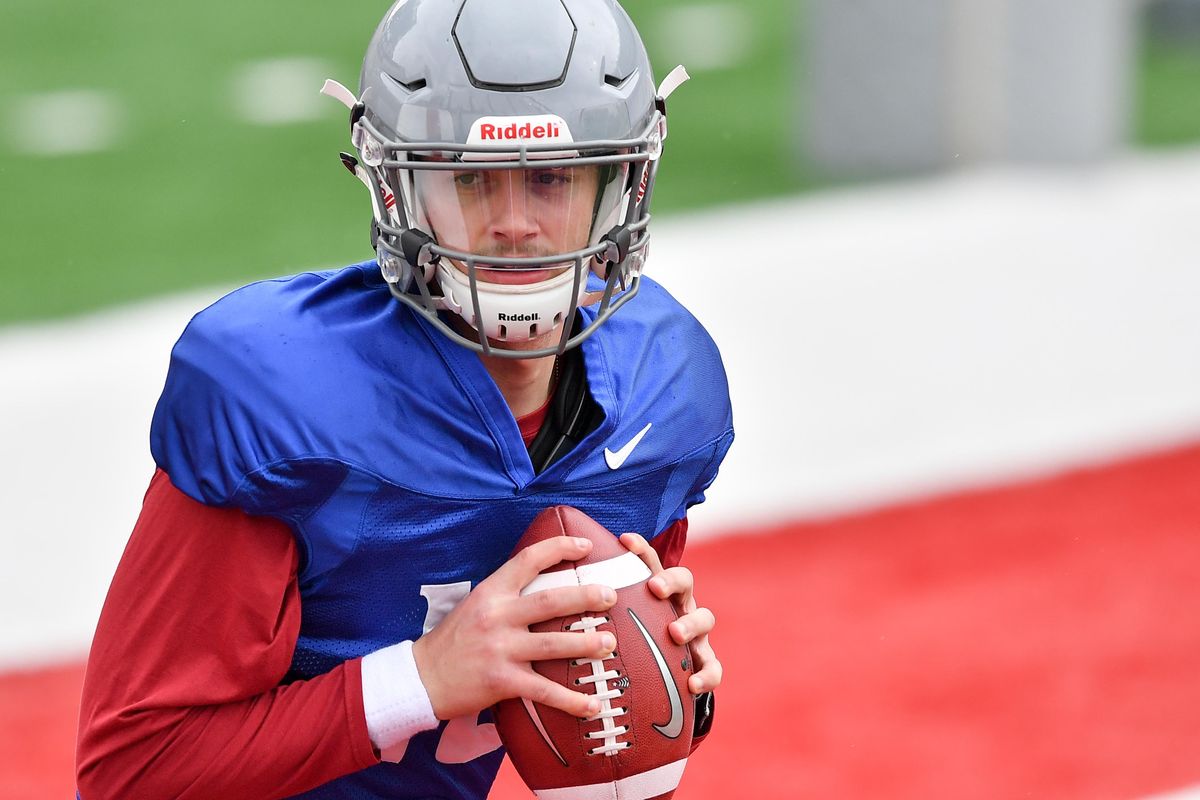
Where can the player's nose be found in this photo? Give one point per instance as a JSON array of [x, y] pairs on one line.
[[512, 221]]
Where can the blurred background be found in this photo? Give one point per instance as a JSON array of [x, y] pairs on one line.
[[947, 247], [148, 150]]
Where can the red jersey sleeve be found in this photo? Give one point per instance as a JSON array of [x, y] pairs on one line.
[[182, 696], [670, 543]]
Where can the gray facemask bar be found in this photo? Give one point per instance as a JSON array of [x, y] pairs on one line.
[[643, 150]]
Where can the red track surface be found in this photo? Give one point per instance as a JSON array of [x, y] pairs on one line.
[[1030, 641]]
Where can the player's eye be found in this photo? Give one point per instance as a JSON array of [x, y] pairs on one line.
[[550, 177], [467, 180]]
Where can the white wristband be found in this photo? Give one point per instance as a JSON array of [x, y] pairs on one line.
[[395, 701]]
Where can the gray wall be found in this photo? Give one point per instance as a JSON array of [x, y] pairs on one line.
[[891, 87]]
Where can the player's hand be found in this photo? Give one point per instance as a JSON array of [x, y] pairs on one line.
[[480, 653], [694, 623]]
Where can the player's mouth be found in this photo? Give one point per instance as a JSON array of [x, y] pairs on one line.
[[514, 276]]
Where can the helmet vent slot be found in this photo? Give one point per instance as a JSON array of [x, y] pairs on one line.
[[409, 86], [503, 331]]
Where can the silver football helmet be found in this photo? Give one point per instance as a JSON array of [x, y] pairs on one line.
[[510, 149]]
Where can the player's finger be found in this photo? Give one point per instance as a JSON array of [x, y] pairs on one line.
[[689, 604], [691, 626], [636, 543], [709, 676], [674, 581], [564, 601], [564, 644], [516, 573], [548, 693]]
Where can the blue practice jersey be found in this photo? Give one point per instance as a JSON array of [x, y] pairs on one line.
[[390, 452]]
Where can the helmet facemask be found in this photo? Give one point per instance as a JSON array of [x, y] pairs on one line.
[[507, 239]]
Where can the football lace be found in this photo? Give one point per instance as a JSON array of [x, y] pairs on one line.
[[599, 679]]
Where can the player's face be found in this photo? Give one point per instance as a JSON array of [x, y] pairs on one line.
[[520, 213]]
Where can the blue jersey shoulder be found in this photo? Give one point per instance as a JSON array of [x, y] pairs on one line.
[[294, 375], [656, 352], [279, 389], [658, 371]]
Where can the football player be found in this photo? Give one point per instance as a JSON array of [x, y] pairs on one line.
[[318, 597]]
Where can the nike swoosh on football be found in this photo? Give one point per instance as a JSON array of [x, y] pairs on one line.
[[615, 460], [536, 719], [674, 725]]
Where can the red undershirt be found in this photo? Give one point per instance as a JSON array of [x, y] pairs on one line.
[[182, 696], [531, 423]]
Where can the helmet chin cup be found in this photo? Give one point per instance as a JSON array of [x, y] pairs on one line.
[[511, 312]]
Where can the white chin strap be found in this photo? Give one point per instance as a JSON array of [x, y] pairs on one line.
[[511, 312]]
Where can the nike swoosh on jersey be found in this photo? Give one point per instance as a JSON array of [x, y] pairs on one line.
[[674, 725], [615, 460]]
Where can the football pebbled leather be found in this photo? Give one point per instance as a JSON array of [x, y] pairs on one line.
[[642, 749]]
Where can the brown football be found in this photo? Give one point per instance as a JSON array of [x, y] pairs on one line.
[[637, 747]]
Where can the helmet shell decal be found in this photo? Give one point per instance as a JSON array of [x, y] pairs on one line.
[[536, 129]]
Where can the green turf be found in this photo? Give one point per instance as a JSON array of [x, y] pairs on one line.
[[1168, 110], [194, 196]]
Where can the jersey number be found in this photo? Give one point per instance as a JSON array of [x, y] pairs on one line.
[[463, 738]]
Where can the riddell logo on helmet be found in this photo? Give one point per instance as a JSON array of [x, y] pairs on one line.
[[495, 133], [518, 317], [539, 129]]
